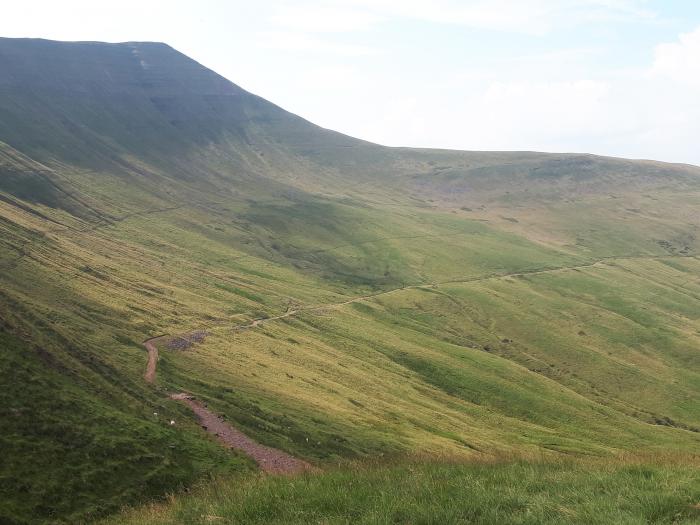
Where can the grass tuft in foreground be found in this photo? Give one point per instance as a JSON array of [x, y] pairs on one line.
[[517, 492]]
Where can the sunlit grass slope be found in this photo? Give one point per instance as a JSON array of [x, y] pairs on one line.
[[558, 359]]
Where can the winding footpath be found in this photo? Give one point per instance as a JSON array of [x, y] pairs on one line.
[[270, 460], [275, 461], [425, 286], [152, 363]]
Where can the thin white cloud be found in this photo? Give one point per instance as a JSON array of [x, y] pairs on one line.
[[550, 103], [332, 77], [519, 16], [338, 27], [323, 18], [309, 43], [504, 15], [573, 105], [680, 60], [610, 10]]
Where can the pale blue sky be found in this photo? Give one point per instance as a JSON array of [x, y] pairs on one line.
[[617, 77]]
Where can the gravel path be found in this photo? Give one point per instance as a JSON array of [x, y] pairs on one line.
[[150, 374], [269, 459]]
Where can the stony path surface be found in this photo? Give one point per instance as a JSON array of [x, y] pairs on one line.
[[269, 459], [150, 374]]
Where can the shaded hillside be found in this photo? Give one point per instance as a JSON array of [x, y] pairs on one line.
[[92, 105], [145, 109]]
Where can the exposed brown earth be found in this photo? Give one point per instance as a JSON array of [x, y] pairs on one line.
[[175, 343], [150, 374], [185, 341], [269, 459]]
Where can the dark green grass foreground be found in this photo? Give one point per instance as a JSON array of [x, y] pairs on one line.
[[609, 492]]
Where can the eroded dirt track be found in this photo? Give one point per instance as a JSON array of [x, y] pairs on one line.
[[150, 374], [269, 459]]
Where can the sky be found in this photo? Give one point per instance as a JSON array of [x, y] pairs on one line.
[[613, 77]]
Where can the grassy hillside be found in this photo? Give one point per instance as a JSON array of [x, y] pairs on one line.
[[76, 444], [461, 303], [514, 492]]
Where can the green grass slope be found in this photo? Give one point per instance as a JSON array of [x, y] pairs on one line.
[[76, 445], [461, 303], [418, 492]]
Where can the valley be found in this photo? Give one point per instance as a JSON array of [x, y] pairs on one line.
[[393, 315]]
